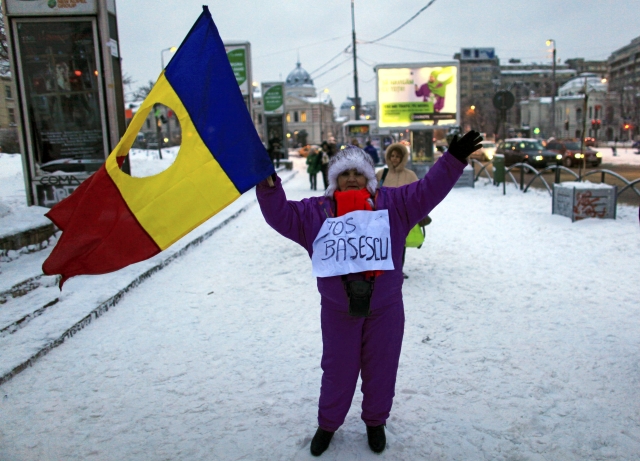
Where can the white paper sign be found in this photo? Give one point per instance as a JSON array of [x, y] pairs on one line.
[[356, 242]]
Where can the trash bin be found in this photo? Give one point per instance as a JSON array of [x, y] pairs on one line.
[[498, 169]]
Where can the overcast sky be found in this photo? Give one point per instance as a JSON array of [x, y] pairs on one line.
[[317, 30]]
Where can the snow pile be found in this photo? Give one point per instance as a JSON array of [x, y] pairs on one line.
[[585, 185], [521, 342]]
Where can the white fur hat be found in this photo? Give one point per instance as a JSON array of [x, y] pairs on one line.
[[351, 157]]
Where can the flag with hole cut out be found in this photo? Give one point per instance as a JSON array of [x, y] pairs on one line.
[[113, 219]]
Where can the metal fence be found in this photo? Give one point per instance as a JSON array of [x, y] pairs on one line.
[[556, 169]]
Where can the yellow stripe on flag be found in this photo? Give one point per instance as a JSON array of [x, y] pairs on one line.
[[195, 187]]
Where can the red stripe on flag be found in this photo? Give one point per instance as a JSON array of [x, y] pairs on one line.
[[99, 232]]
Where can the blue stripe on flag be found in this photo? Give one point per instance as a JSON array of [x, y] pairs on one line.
[[202, 77]]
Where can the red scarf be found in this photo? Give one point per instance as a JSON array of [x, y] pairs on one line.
[[354, 200]]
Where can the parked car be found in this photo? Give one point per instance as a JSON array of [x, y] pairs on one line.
[[527, 150], [486, 152], [73, 165], [571, 152]]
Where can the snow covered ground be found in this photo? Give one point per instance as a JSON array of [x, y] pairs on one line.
[[521, 343], [625, 156]]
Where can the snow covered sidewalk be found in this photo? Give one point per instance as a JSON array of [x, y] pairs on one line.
[[521, 342], [36, 317]]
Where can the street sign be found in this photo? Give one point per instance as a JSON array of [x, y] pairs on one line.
[[503, 100]]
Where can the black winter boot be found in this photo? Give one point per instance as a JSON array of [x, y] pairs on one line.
[[320, 442], [376, 437]]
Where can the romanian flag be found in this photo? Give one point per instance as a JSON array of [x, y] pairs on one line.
[[113, 220]]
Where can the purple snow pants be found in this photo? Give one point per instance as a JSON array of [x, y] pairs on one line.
[[351, 346]]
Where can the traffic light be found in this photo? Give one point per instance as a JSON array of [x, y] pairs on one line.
[[626, 126]]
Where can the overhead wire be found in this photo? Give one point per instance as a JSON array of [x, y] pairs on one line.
[[410, 49], [404, 23], [298, 47], [329, 61], [338, 79], [331, 68]]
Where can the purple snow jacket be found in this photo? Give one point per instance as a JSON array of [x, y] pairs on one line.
[[301, 222]]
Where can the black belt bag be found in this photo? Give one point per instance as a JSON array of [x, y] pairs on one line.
[[359, 293]]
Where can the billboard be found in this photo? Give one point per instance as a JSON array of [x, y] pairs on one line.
[[273, 98], [239, 55], [417, 95]]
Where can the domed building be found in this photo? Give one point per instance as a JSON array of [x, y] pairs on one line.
[[310, 117]]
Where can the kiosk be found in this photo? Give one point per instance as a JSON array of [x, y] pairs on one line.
[[65, 60]]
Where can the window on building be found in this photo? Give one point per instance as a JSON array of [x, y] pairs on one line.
[[7, 92], [259, 119], [590, 112], [148, 124], [296, 117], [12, 116], [303, 116], [288, 117]]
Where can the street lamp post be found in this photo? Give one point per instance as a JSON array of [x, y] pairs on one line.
[[355, 66], [553, 94], [171, 48]]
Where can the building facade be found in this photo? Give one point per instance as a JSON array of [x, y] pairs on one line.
[[571, 115], [310, 116], [532, 80], [479, 80], [8, 123], [624, 88]]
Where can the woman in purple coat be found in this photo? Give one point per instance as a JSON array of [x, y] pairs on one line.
[[355, 341]]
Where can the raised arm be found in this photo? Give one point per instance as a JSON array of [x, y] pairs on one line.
[[285, 216], [416, 200]]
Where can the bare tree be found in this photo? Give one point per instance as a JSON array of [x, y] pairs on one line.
[[143, 91]]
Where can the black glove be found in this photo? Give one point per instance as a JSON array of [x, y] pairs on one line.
[[465, 146]]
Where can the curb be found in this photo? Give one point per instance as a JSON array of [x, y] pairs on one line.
[[115, 299]]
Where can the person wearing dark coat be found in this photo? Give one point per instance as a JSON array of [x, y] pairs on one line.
[[373, 152], [314, 162]]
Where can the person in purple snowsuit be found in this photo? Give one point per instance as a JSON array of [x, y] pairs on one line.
[[369, 346]]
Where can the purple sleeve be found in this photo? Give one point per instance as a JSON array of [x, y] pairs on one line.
[[285, 216], [416, 200]]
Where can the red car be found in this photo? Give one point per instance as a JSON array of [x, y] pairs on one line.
[[571, 152]]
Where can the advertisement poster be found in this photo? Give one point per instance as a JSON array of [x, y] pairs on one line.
[[51, 7], [273, 98], [416, 95], [239, 58], [62, 104]]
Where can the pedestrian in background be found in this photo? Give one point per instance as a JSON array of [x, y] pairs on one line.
[[614, 149], [324, 167], [372, 151], [396, 175], [275, 144], [333, 147], [314, 162]]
